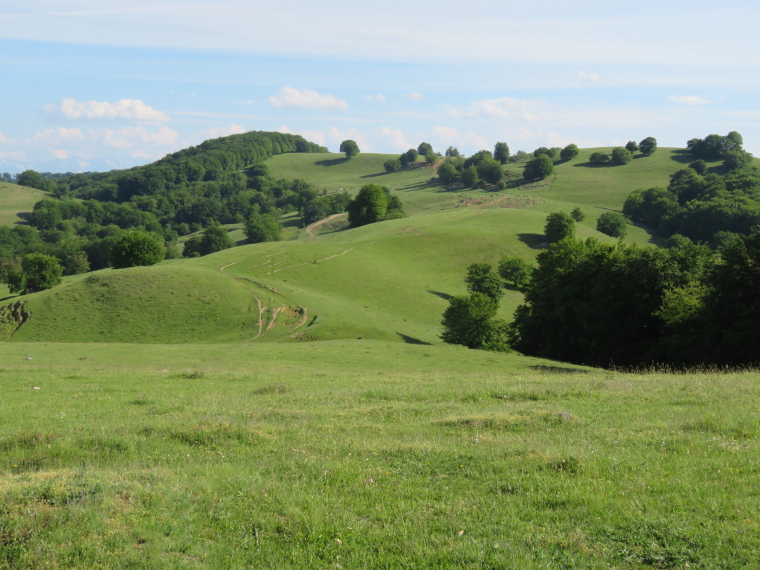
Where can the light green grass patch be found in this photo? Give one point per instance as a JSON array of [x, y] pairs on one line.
[[17, 200]]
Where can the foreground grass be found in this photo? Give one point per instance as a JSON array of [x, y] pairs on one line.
[[287, 465]]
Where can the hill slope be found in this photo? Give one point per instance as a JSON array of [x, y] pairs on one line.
[[15, 201]]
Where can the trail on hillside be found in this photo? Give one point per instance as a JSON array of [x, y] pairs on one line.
[[316, 225]]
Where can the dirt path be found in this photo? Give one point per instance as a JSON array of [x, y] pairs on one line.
[[316, 225]]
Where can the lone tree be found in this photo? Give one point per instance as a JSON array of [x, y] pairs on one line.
[[501, 152], [136, 248], [349, 147], [631, 146], [569, 152], [613, 224], [469, 321], [648, 146], [424, 148], [38, 272], [538, 168], [621, 155], [559, 226]]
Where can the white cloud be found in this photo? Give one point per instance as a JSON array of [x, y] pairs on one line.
[[689, 100], [306, 99], [396, 138], [54, 136], [216, 132], [311, 136], [469, 141], [4, 139], [124, 109], [379, 98], [129, 137], [592, 78], [414, 96], [60, 153]]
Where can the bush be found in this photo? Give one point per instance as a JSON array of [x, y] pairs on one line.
[[569, 152], [136, 249], [599, 158], [577, 214], [538, 168], [38, 272], [559, 226], [621, 155], [262, 228], [613, 224]]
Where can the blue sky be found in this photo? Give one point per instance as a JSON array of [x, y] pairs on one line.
[[93, 85]]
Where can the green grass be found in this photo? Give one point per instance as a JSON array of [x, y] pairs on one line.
[[16, 200], [284, 464]]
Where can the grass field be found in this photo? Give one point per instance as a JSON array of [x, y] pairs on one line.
[[346, 461], [15, 200], [290, 405]]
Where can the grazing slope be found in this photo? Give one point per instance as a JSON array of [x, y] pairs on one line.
[[388, 281], [15, 201]]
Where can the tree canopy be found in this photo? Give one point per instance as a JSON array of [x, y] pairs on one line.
[[37, 273], [559, 226], [373, 204], [538, 168], [648, 146], [136, 248], [349, 147]]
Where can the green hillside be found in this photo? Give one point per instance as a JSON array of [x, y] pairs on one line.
[[16, 200], [388, 281]]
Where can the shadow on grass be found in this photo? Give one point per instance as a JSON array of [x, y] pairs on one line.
[[331, 162], [444, 296], [681, 155], [411, 340], [533, 241], [8, 297], [375, 175], [558, 369]]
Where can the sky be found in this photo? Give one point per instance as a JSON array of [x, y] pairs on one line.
[[97, 85]]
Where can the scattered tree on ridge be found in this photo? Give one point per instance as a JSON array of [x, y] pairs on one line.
[[538, 168], [501, 152], [621, 155], [373, 204], [569, 152], [632, 146], [599, 158], [648, 146], [424, 148], [453, 152], [349, 147]]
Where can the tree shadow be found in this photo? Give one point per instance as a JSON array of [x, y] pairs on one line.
[[8, 297], [331, 162], [444, 296], [375, 175], [558, 369], [533, 241], [681, 155], [411, 340]]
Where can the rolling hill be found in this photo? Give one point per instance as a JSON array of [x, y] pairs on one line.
[[388, 281]]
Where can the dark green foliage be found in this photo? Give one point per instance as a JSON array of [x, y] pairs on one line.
[[430, 157], [538, 168], [470, 176], [349, 147], [613, 224], [569, 152], [319, 207], [215, 238], [38, 272], [714, 147], [136, 248], [373, 204], [490, 170], [648, 146], [597, 304], [424, 148], [453, 152], [632, 146], [30, 179], [469, 321], [577, 214], [448, 172], [262, 228], [392, 165], [501, 152], [699, 166], [515, 270], [621, 155], [559, 226], [550, 152], [736, 159], [599, 158], [76, 263], [481, 278]]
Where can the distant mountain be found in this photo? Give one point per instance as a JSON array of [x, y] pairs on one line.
[[72, 164]]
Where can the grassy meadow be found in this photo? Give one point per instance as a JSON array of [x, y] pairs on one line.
[[291, 405], [16, 200], [338, 455]]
